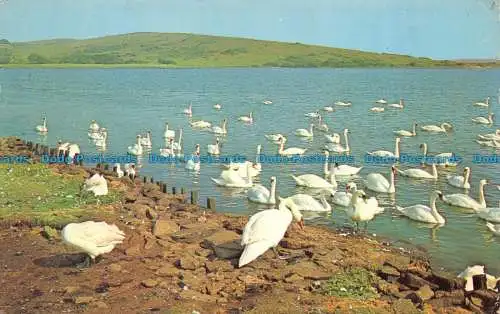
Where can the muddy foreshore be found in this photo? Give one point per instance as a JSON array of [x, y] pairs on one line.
[[182, 258]]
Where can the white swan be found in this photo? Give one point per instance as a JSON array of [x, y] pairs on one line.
[[193, 163], [314, 181], [260, 194], [465, 201], [136, 149], [275, 137], [168, 150], [305, 202], [333, 138], [100, 135], [177, 146], [129, 170], [146, 141], [460, 181], [312, 114], [218, 106], [220, 129], [491, 214], [338, 148], [490, 143], [43, 127], [96, 184], [248, 119], [94, 238], [381, 101], [265, 230], [321, 126], [267, 102], [377, 109], [255, 167], [361, 210], [118, 170], [189, 110], [344, 198], [231, 179], [289, 151], [346, 170], [493, 228], [483, 120], [214, 149], [328, 109], [407, 133], [343, 104], [168, 133], [385, 153], [400, 105], [442, 159], [470, 271], [304, 132], [483, 104], [419, 173], [424, 213], [94, 127], [200, 124], [437, 129], [378, 183], [490, 136], [71, 149]]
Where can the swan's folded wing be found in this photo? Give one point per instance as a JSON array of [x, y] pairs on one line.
[[101, 234], [269, 225]]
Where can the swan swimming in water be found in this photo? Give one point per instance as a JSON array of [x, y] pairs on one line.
[[338, 148], [168, 133], [291, 151], [314, 181], [334, 138], [267, 102], [378, 183], [304, 132], [94, 126], [220, 129], [437, 129], [460, 181], [483, 104], [231, 179], [94, 238], [312, 114], [490, 136], [255, 167], [218, 106], [200, 124], [248, 119], [146, 141], [328, 109], [193, 163], [344, 198], [385, 153], [214, 149], [189, 110], [43, 127], [419, 173], [465, 201], [424, 213], [265, 230], [343, 104], [407, 133], [400, 105], [377, 109], [260, 194], [381, 101], [493, 228], [275, 137], [490, 143], [483, 120], [305, 202], [491, 214], [136, 149], [442, 159]]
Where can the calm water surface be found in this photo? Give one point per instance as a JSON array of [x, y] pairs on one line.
[[129, 102]]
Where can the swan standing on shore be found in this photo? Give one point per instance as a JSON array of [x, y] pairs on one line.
[[305, 202], [304, 132], [118, 170], [338, 148], [43, 127], [260, 194], [361, 210], [96, 184], [400, 105], [378, 183], [291, 151], [442, 159], [168, 133], [71, 148], [385, 153], [465, 201], [129, 170], [470, 271], [486, 103], [483, 120], [314, 181], [214, 149], [460, 181], [424, 213], [265, 230], [94, 238], [419, 173], [407, 133], [247, 119], [136, 149], [220, 129], [437, 129]]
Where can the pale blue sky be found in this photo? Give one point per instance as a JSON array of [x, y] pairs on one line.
[[433, 28]]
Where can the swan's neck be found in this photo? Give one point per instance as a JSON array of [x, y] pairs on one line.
[[434, 171], [180, 137], [311, 129], [414, 129], [396, 150], [224, 126], [346, 141], [466, 178], [166, 128], [325, 166], [481, 195], [272, 193], [332, 175], [392, 187], [424, 149], [325, 203], [249, 176], [281, 148], [434, 211], [257, 156]]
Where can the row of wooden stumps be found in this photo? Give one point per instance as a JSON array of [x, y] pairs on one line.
[[53, 153], [39, 150]]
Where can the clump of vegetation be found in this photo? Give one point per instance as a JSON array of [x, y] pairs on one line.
[[356, 283], [35, 194]]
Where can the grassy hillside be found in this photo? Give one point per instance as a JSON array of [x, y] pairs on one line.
[[190, 50]]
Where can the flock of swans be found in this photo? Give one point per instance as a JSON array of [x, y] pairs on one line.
[[266, 228]]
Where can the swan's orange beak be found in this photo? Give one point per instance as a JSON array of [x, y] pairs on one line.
[[301, 224]]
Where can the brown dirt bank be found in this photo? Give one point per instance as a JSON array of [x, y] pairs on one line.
[[180, 258]]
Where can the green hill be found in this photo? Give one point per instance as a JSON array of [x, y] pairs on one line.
[[191, 50]]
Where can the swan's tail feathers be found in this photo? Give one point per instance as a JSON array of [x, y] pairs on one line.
[[253, 251], [217, 181], [297, 180], [400, 209], [491, 227]]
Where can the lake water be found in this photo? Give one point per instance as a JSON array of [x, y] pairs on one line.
[[129, 102]]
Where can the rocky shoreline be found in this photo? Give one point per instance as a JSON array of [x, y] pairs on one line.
[[182, 258]]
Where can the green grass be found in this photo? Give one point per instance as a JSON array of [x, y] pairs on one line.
[[35, 194], [356, 283], [178, 50]]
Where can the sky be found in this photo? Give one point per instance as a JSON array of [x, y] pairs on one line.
[[440, 29]]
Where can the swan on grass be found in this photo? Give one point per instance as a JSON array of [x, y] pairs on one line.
[[168, 133], [385, 153], [465, 201], [305, 202], [255, 167], [247, 119], [378, 183], [214, 149], [220, 129], [117, 169], [495, 229], [343, 104], [424, 213], [94, 126], [419, 173], [490, 136], [377, 109], [314, 181], [470, 271], [486, 103], [381, 101], [304, 132], [399, 105], [265, 230], [43, 127], [96, 184], [338, 148], [407, 133], [443, 128], [231, 179], [442, 159], [94, 238], [361, 210], [218, 106], [136, 149], [460, 181], [291, 151], [146, 140], [483, 120], [260, 194], [333, 138]]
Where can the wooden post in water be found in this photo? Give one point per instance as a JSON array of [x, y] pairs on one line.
[[174, 190], [106, 167], [158, 183], [80, 162], [211, 203], [194, 197], [36, 148], [479, 282], [152, 180], [164, 188], [131, 176], [145, 179], [183, 190]]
